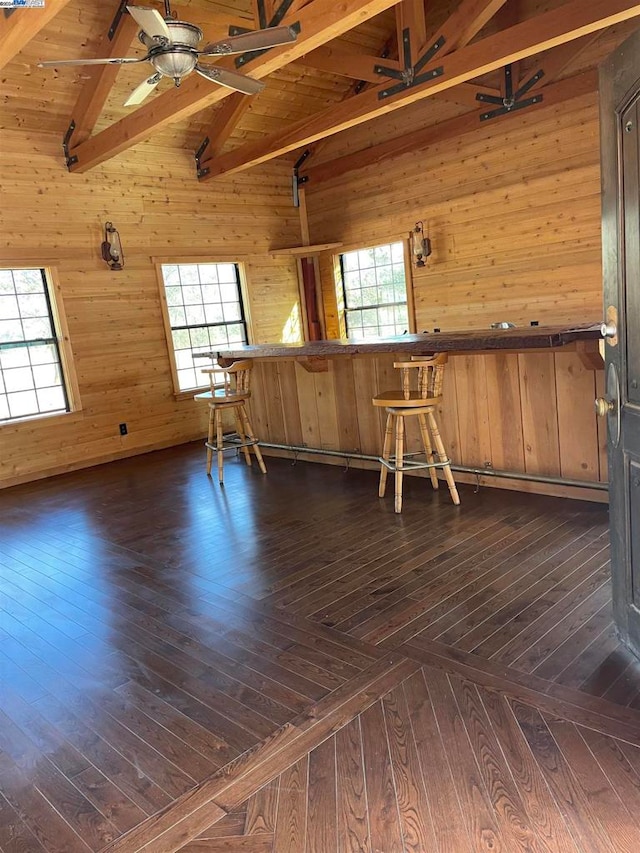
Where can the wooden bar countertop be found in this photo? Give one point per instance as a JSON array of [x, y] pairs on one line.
[[525, 338]]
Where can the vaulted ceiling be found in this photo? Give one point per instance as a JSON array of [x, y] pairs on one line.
[[323, 84]]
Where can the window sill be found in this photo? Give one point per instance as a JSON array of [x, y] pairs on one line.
[[190, 394], [36, 419]]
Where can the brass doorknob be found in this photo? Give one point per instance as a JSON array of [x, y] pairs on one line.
[[604, 406]]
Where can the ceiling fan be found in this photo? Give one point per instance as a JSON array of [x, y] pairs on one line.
[[172, 50]]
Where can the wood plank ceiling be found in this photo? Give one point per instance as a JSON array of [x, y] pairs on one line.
[[323, 84]]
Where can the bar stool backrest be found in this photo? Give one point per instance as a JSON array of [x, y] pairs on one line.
[[237, 377], [234, 379], [430, 374]]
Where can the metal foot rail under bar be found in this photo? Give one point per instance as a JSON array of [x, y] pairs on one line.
[[463, 469]]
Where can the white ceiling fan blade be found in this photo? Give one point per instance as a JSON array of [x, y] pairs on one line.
[[259, 40], [151, 21], [232, 80], [54, 63], [143, 90]]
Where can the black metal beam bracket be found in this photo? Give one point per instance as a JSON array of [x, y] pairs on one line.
[[512, 100], [410, 75], [298, 181], [122, 10], [275, 21], [201, 170], [70, 159]]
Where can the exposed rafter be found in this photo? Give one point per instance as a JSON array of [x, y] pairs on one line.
[[320, 22], [19, 26], [546, 31], [95, 91], [554, 93], [223, 124], [467, 21]]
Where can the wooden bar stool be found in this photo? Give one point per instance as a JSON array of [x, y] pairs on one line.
[[232, 393], [422, 403]]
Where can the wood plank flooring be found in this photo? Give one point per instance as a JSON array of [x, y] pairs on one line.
[[170, 652]]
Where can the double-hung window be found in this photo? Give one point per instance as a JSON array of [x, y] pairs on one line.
[[32, 380], [374, 289], [204, 312]]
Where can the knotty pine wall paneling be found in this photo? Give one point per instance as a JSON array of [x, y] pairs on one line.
[[114, 318]]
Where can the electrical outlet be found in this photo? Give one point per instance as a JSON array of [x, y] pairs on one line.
[[123, 429]]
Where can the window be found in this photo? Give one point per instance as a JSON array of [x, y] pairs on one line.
[[205, 312], [32, 381], [375, 291]]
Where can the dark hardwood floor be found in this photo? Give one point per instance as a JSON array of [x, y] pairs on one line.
[[173, 654]]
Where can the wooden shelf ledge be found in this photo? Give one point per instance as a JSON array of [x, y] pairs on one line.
[[305, 251]]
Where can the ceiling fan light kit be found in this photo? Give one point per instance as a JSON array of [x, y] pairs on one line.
[[172, 50]]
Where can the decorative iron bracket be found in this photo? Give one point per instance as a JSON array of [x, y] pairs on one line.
[[410, 75], [276, 19], [201, 171], [298, 181], [511, 100], [70, 159], [122, 10]]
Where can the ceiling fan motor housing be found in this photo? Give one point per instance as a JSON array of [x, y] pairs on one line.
[[178, 58]]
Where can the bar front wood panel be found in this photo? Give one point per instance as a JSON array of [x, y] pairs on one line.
[[522, 412]]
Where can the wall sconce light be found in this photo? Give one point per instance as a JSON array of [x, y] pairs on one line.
[[112, 247], [420, 244]]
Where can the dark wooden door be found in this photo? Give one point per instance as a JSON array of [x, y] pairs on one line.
[[620, 123]]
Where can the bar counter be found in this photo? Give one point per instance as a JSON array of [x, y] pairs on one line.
[[517, 403], [526, 338]]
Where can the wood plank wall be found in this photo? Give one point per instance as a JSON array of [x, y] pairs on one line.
[[514, 217], [114, 318]]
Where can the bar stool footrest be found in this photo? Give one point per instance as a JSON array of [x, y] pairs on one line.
[[410, 464]]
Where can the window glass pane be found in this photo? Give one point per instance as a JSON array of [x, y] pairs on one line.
[[30, 370], [43, 354], [9, 307], [51, 399], [6, 282], [33, 305], [18, 379], [170, 275], [22, 404], [374, 279], [28, 281], [206, 299], [174, 296], [14, 357], [208, 273], [37, 327]]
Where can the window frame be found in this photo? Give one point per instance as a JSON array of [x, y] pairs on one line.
[[340, 293], [55, 301], [159, 262]]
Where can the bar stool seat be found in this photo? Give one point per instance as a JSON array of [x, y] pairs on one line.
[[232, 393], [420, 402]]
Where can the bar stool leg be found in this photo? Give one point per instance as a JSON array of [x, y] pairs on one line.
[[251, 436], [428, 449], [210, 435], [442, 453], [219, 441], [241, 435], [399, 461], [386, 451]]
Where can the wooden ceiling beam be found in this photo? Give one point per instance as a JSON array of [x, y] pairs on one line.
[[101, 78], [357, 66], [466, 22], [410, 17], [535, 35], [555, 93], [320, 22], [19, 26], [224, 122]]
